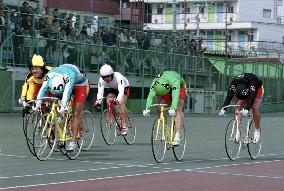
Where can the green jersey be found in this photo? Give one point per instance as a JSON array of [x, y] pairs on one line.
[[166, 82]]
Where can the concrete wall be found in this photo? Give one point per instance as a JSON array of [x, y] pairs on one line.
[[252, 10]]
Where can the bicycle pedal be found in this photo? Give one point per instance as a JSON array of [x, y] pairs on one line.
[[61, 144]]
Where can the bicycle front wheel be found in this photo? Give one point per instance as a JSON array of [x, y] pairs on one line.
[[253, 148], [232, 145], [29, 123], [87, 130], [158, 141], [44, 137], [108, 127], [131, 132], [180, 149]]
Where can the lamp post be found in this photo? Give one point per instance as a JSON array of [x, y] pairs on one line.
[[174, 16], [226, 29]]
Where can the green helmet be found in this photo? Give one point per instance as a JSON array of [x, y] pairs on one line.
[[161, 87]]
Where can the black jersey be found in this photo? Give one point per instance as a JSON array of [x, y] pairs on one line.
[[249, 79]]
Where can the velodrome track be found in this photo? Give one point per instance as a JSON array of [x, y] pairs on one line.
[[122, 167]]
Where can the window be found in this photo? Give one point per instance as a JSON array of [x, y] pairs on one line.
[[267, 13], [230, 9], [250, 37], [160, 11], [229, 37]]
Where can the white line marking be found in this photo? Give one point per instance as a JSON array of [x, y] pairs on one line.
[[235, 174], [102, 178]]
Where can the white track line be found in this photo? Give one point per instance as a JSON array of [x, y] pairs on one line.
[[85, 180]]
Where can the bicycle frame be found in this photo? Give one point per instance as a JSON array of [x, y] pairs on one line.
[[243, 139], [54, 117], [233, 144], [169, 131], [162, 119]]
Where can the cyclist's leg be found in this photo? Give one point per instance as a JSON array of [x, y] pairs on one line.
[[179, 115], [256, 113], [240, 103], [123, 112], [256, 106], [80, 94], [110, 96]]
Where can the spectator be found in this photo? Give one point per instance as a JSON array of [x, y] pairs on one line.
[[2, 24], [26, 10], [18, 42], [200, 48], [192, 47]]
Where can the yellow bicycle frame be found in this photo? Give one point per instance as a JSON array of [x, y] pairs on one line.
[[54, 117], [169, 134]]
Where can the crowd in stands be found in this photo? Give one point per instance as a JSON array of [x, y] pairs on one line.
[[51, 26]]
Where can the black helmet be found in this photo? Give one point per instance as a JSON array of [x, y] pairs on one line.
[[242, 90]]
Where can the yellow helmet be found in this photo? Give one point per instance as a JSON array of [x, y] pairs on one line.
[[37, 60]]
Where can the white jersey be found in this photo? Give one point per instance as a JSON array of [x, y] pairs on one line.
[[118, 82]]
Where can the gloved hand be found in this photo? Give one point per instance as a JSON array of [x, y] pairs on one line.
[[38, 105], [62, 110], [244, 112], [115, 102], [172, 112], [97, 105], [222, 112], [22, 101], [146, 113]]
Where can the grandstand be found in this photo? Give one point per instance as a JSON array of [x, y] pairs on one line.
[[90, 40]]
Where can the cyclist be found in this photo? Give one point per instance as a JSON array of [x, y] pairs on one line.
[[170, 88], [119, 89], [34, 79], [247, 89], [65, 81]]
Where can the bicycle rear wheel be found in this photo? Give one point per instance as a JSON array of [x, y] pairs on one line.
[[158, 141], [87, 130], [79, 144], [180, 149], [253, 148], [131, 133], [44, 140], [108, 127], [232, 146]]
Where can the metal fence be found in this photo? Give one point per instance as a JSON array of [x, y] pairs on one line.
[[207, 76]]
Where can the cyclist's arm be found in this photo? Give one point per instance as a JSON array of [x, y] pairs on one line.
[[25, 87], [229, 97], [101, 88], [43, 89], [150, 99], [24, 90], [120, 87], [70, 82], [175, 93]]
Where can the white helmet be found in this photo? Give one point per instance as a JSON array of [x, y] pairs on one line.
[[106, 70], [56, 85]]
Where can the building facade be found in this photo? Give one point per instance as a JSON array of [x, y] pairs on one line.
[[237, 24]]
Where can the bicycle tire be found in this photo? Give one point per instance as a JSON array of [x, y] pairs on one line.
[[232, 146], [131, 132], [253, 148], [75, 153], [158, 141], [43, 141], [87, 130], [108, 127], [29, 123], [179, 150]]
